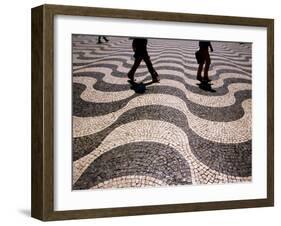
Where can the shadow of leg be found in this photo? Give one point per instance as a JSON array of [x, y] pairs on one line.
[[137, 87]]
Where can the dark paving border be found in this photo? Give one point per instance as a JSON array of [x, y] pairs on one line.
[[230, 159], [82, 108], [143, 159]]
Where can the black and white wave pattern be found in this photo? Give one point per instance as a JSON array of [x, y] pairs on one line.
[[173, 134]]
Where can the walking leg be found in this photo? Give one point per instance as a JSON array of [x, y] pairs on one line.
[[206, 68], [136, 64], [150, 68], [199, 71]]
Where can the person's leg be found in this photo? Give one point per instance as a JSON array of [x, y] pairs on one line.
[[99, 39], [105, 39], [150, 68], [148, 63], [131, 73], [207, 66], [199, 71]]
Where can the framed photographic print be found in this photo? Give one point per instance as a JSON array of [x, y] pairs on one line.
[[141, 112]]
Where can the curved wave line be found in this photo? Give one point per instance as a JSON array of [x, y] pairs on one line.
[[151, 53], [130, 181], [234, 132], [121, 68], [149, 131], [95, 96], [234, 56], [92, 95], [170, 49], [181, 59]]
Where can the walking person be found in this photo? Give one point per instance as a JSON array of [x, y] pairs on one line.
[[139, 46], [99, 39], [203, 57]]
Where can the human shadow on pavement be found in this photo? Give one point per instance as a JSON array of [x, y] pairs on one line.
[[139, 87], [206, 86]]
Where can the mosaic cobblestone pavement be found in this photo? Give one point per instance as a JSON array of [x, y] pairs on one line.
[[173, 134]]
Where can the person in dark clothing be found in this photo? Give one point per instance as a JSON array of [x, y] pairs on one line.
[[99, 39], [203, 57], [139, 46]]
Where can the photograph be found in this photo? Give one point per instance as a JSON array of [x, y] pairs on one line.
[[153, 112], [138, 112]]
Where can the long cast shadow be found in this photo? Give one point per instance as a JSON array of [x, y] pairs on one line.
[[139, 87]]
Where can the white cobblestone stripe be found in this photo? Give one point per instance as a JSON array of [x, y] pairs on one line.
[[152, 131], [133, 181], [156, 57], [96, 96], [211, 130], [183, 48], [229, 54], [191, 70], [108, 77], [125, 49]]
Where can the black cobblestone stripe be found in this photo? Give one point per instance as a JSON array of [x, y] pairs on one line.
[[105, 87], [233, 112], [230, 159], [143, 159]]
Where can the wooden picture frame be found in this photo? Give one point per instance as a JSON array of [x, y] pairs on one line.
[[43, 112]]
